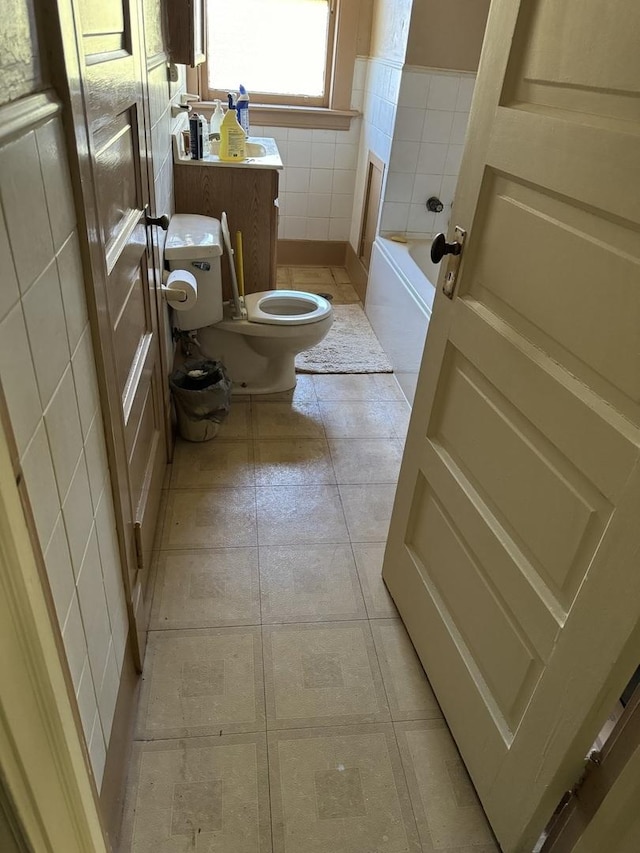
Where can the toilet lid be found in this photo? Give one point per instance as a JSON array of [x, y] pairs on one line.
[[286, 307]]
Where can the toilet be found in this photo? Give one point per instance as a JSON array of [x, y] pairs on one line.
[[258, 348]]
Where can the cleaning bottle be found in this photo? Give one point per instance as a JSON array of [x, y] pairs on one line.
[[233, 145], [216, 120], [242, 105]]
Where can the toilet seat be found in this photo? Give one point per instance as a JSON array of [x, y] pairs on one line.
[[286, 307]]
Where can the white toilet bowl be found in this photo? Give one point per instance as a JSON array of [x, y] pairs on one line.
[[258, 351]]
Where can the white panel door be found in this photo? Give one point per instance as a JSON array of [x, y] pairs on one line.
[[513, 554]]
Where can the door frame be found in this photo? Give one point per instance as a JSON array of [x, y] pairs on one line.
[[45, 765]]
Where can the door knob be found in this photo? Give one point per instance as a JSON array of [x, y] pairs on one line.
[[440, 248], [160, 221]]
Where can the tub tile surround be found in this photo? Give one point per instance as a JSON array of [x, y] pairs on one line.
[[283, 706], [428, 141], [49, 382]]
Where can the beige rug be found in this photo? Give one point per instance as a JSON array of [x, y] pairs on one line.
[[350, 347]]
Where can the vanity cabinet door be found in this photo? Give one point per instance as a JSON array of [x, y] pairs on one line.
[[248, 196]]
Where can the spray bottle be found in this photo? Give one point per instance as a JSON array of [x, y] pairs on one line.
[[242, 105], [216, 120], [233, 146]]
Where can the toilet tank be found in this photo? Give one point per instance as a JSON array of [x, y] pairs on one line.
[[194, 243]]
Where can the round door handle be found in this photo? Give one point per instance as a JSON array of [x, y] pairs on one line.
[[440, 248]]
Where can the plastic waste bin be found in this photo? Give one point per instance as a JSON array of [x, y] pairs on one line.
[[202, 394]]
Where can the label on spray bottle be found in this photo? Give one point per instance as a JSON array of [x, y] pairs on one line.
[[195, 135]]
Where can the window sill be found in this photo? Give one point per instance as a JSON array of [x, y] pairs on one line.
[[316, 118]]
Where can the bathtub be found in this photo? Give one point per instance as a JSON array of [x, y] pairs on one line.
[[398, 303]]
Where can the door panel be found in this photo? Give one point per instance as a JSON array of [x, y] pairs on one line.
[[509, 553], [115, 162]]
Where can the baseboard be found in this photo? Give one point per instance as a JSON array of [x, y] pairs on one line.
[[317, 253], [357, 272], [119, 751]]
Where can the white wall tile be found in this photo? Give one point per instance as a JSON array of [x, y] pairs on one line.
[[399, 186], [437, 126], [74, 300], [299, 134], [41, 484], [25, 205], [57, 180], [339, 229], [294, 228], [465, 93], [62, 423], [324, 135], [404, 156], [323, 155], [409, 124], [111, 573], [346, 157], [77, 511], [297, 180], [424, 187], [95, 453], [320, 181], [84, 375], [443, 91], [298, 153], [108, 694], [296, 204], [395, 216], [93, 608], [18, 377], [9, 291], [448, 189], [343, 182], [414, 90], [86, 697], [318, 228], [74, 642], [420, 219], [59, 571], [432, 158], [454, 158], [341, 206], [47, 331], [319, 204], [97, 752]]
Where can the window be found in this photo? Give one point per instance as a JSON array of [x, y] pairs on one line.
[[295, 55]]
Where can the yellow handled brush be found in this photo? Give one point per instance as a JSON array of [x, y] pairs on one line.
[[239, 263]]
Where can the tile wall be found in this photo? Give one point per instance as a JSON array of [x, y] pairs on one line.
[[379, 103], [49, 381], [318, 181], [428, 141]]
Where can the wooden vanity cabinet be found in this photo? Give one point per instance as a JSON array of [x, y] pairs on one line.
[[248, 196]]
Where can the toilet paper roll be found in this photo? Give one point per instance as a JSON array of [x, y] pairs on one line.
[[181, 290]]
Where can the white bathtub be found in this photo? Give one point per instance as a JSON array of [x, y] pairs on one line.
[[398, 304]]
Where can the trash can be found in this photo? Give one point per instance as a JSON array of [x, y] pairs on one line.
[[202, 394]]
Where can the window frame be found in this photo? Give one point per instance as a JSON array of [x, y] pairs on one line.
[[335, 113]]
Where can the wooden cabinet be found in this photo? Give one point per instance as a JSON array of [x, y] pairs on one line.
[[187, 31], [247, 195]]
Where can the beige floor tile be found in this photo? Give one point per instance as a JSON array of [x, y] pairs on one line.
[[304, 392], [357, 387], [293, 462], [206, 589], [209, 463], [448, 812], [340, 275], [322, 675], [199, 794], [201, 682], [358, 419], [238, 423], [408, 691], [339, 791], [292, 515], [317, 583], [368, 511], [311, 275], [218, 518], [290, 420], [347, 293], [359, 460], [400, 414], [369, 558]]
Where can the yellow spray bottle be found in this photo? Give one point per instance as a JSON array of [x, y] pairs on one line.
[[233, 146]]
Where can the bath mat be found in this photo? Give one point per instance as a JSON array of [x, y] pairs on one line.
[[350, 347]]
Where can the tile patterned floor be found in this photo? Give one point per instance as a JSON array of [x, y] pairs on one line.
[[283, 709]]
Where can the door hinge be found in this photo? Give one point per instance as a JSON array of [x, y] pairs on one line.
[[592, 762]]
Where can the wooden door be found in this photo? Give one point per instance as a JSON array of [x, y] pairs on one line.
[[514, 544], [106, 73]]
